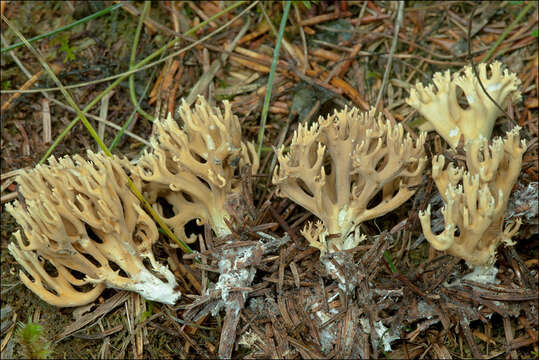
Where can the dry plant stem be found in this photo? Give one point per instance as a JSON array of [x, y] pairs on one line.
[[237, 267], [25, 86], [303, 39], [216, 65], [398, 23], [153, 24], [232, 318], [132, 93], [103, 112]]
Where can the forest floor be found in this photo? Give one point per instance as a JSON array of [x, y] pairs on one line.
[[411, 300]]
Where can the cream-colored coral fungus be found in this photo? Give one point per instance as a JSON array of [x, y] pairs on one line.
[[476, 199], [336, 168], [195, 167], [84, 231], [441, 109]]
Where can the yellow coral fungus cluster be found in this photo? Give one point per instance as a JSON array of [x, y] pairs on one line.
[[84, 231], [476, 199], [338, 165], [195, 167], [441, 109]]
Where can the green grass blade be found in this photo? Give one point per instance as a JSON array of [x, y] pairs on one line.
[[63, 28], [121, 132], [66, 94], [132, 93], [390, 262], [273, 68], [506, 32]]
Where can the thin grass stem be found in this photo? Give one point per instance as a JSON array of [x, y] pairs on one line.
[[506, 32], [132, 93], [273, 68], [63, 28]]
